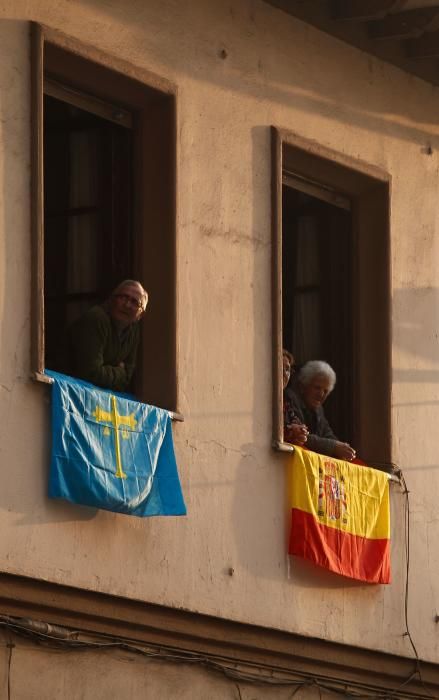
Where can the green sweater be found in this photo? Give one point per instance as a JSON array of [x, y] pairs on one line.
[[97, 347]]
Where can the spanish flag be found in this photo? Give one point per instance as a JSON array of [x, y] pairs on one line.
[[340, 516]]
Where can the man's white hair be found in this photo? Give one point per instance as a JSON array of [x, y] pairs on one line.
[[313, 368], [129, 283]]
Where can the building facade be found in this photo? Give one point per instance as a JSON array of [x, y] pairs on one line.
[[218, 106]]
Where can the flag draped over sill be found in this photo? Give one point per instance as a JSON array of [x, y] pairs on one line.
[[340, 516], [111, 452]]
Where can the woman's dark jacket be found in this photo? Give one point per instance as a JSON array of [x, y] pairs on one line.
[[321, 437]]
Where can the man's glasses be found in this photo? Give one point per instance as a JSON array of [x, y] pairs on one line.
[[132, 301]]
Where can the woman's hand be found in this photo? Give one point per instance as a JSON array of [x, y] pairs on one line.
[[297, 433], [344, 451]]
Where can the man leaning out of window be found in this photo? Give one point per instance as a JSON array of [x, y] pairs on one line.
[[103, 343]]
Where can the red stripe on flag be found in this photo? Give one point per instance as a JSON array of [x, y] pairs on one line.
[[350, 555]]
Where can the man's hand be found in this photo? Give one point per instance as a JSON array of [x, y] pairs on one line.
[[121, 364], [344, 451]]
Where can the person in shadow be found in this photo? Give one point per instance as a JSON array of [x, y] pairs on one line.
[[102, 344], [294, 430]]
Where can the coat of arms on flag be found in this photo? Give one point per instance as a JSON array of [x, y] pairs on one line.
[[340, 516], [111, 452]]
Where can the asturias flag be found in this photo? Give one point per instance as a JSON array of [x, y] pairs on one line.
[[111, 452], [340, 516]]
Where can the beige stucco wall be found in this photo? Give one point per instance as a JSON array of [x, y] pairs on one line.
[[277, 71], [31, 672]]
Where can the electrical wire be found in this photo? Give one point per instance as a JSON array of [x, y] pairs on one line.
[[407, 572], [239, 691], [397, 471], [10, 646], [69, 640], [407, 632]]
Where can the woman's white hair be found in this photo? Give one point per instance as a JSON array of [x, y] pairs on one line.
[[315, 367]]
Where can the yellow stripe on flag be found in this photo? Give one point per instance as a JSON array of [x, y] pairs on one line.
[[341, 495]]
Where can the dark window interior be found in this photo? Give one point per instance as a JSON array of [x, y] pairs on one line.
[[88, 234], [331, 286], [109, 174], [317, 318]]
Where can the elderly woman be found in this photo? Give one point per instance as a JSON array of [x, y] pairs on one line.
[[294, 429], [315, 382]]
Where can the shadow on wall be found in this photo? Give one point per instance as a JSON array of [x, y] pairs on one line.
[[416, 335]]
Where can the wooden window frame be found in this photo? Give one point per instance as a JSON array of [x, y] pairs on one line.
[[155, 209], [369, 190]]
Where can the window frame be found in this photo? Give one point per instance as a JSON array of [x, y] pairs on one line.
[[159, 100], [362, 184]]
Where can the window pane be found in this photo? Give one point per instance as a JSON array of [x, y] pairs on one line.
[[74, 309], [84, 253], [83, 151], [306, 326], [307, 260]]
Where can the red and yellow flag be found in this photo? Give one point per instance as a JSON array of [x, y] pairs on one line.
[[340, 516]]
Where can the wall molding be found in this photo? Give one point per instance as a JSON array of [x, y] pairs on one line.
[[148, 623]]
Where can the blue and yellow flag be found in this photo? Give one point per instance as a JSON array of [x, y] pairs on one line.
[[112, 452]]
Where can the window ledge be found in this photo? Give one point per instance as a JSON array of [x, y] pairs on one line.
[[287, 447], [283, 447], [40, 377]]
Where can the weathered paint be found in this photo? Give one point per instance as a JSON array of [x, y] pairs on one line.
[[239, 67]]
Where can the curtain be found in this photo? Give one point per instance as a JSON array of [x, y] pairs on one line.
[[306, 314]]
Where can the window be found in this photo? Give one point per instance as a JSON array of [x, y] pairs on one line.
[[317, 319], [103, 202], [331, 285], [88, 231]]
